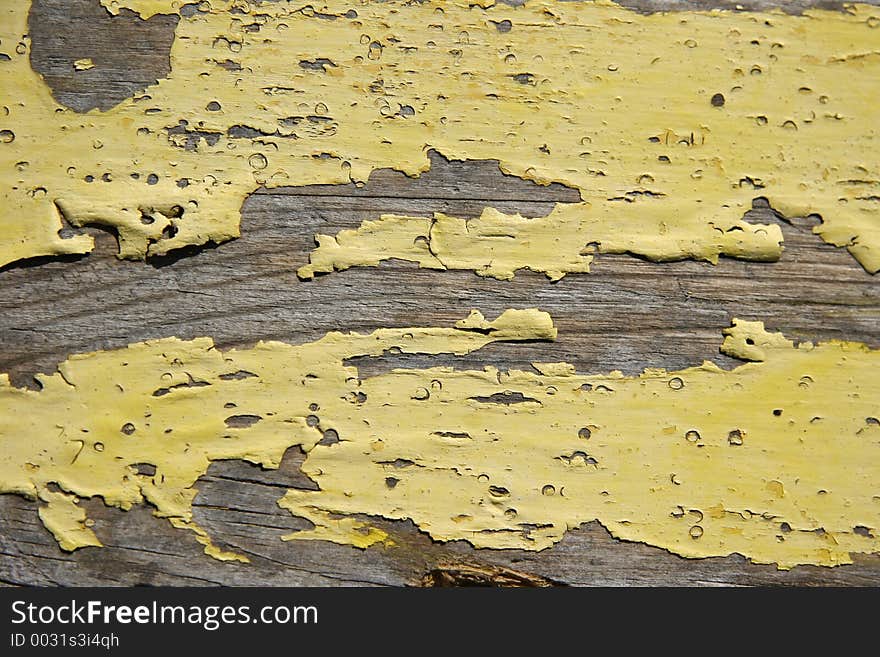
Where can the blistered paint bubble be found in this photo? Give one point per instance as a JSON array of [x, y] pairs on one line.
[[258, 161]]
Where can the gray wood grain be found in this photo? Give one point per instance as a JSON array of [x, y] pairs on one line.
[[628, 314]]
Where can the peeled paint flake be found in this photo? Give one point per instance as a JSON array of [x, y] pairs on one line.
[[497, 245], [84, 64], [668, 124], [777, 459]]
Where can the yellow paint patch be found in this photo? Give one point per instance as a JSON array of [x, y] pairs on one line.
[[497, 245], [668, 124], [776, 459], [83, 64], [66, 521]]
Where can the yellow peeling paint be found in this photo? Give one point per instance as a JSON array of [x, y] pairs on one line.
[[777, 459], [625, 108], [497, 245], [140, 425], [66, 521], [83, 64]]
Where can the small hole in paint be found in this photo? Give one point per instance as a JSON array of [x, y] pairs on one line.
[[145, 469], [330, 437]]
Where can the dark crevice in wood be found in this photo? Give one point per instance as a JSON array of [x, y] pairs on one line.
[[458, 575], [177, 255]]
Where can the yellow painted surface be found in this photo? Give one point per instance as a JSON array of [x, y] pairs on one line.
[[624, 107], [777, 459]]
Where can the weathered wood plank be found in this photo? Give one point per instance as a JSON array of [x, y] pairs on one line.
[[628, 314]]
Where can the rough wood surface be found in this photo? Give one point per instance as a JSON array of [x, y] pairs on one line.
[[628, 314]]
